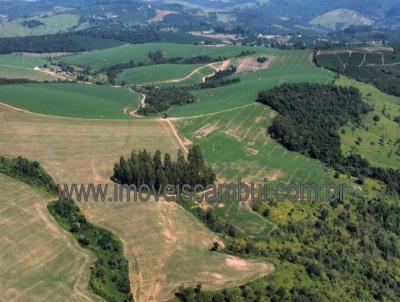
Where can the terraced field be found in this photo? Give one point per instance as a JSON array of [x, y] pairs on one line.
[[286, 67], [70, 99], [22, 66], [158, 237], [39, 261], [379, 139]]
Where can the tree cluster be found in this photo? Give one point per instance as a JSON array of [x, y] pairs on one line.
[[159, 99], [143, 168], [27, 171]]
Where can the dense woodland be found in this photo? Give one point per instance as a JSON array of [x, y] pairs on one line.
[[309, 119], [159, 99], [143, 168]]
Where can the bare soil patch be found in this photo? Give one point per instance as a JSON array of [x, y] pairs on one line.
[[161, 14], [251, 64], [206, 130]]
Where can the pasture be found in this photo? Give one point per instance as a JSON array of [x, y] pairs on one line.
[[100, 59], [236, 144], [378, 140], [165, 245], [70, 99], [39, 261], [286, 67], [52, 24], [157, 74], [14, 66]]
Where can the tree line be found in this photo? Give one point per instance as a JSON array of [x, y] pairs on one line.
[[310, 116], [143, 168]]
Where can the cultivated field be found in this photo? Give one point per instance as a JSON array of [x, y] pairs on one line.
[[165, 245], [39, 261], [99, 59], [378, 140], [22, 66], [70, 99], [286, 67], [157, 74], [52, 24], [236, 144]]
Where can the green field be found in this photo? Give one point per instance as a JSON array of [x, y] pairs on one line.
[[39, 261], [156, 73], [14, 66], [236, 144], [287, 66], [99, 59], [53, 24], [70, 99], [377, 141]]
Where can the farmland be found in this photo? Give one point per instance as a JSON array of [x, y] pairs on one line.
[[51, 24], [34, 248], [286, 67], [374, 66], [100, 59], [22, 66], [70, 99], [157, 73], [378, 139], [167, 256]]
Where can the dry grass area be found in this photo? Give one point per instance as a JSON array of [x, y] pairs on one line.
[[161, 14], [39, 261], [251, 64], [165, 246]]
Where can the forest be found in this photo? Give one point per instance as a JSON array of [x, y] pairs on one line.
[[310, 116], [156, 171]]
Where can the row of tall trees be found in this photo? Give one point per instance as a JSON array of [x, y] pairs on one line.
[[143, 168]]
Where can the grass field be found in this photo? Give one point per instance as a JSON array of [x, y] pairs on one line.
[[39, 261], [22, 66], [99, 59], [70, 99], [165, 245], [156, 73], [286, 67], [236, 144], [53, 24], [377, 141]]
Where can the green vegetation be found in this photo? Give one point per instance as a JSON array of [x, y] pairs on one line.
[[70, 99], [101, 59], [16, 66], [155, 73], [380, 69], [310, 123], [109, 277], [144, 169], [159, 99], [289, 66], [377, 139], [51, 25], [30, 172]]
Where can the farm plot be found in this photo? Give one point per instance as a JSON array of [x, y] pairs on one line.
[[252, 155], [158, 237], [39, 261], [70, 99], [100, 59], [288, 67], [378, 140], [159, 74], [14, 66]]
